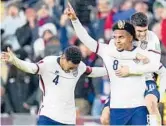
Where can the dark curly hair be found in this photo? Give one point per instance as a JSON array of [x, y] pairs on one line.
[[139, 19], [73, 54]]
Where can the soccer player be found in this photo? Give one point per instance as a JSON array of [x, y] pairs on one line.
[[127, 101], [58, 77], [147, 41]]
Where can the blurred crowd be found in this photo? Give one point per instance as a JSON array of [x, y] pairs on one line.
[[34, 29]]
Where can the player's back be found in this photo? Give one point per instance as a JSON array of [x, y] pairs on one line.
[[58, 89]]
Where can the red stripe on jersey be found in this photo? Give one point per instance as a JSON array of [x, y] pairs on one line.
[[37, 69], [88, 70], [41, 106], [154, 51], [97, 49], [160, 67], [107, 73], [41, 61], [42, 84]]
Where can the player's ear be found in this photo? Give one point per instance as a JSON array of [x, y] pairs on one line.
[[62, 56], [131, 38]]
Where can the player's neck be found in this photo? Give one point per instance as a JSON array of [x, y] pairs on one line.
[[130, 48], [60, 62]]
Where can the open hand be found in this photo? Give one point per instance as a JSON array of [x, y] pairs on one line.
[[123, 71], [7, 56], [142, 58]]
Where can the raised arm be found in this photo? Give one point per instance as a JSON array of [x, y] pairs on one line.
[[20, 64], [80, 30]]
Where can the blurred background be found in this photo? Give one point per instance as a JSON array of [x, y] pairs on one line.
[[37, 28]]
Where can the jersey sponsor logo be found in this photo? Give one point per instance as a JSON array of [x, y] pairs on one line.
[[56, 72], [144, 45]]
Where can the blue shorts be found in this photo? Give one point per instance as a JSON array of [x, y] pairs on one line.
[[152, 89], [129, 116], [43, 120]]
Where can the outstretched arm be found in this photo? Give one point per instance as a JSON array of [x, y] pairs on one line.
[[95, 71], [20, 64], [98, 72]]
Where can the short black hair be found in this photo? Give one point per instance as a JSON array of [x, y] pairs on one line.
[[139, 19], [124, 25], [73, 54]]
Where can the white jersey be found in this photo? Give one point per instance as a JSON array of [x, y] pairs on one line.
[[126, 92], [58, 90], [151, 44]]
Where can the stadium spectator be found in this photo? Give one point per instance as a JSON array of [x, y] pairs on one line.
[[46, 32], [28, 33]]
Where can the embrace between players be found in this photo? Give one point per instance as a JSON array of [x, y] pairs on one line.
[[133, 98]]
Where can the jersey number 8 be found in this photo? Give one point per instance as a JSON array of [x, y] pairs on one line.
[[115, 64]]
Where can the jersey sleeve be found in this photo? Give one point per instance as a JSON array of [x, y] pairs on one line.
[[152, 66], [154, 43], [85, 38], [98, 72]]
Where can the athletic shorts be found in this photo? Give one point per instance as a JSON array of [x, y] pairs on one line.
[[43, 120], [129, 116], [152, 89]]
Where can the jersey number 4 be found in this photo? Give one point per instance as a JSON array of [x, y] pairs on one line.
[[56, 80], [115, 64]]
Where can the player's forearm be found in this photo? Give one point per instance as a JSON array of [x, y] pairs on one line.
[[24, 66], [147, 68], [162, 80], [152, 66], [84, 36], [98, 72]]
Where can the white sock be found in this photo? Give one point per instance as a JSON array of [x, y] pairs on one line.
[[152, 120]]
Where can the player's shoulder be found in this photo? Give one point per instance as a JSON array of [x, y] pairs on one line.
[[152, 36], [50, 59], [82, 65], [139, 50]]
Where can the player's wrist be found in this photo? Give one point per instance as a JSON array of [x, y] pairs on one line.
[[74, 18]]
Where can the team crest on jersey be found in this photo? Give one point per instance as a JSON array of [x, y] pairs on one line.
[[144, 45], [75, 73]]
